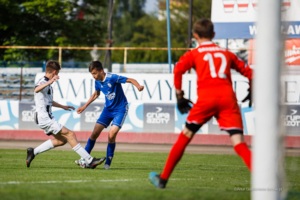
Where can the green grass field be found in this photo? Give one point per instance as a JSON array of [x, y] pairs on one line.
[[53, 175]]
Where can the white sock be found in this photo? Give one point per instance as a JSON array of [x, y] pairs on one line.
[[43, 147], [83, 153]]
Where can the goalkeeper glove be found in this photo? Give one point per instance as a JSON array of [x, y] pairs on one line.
[[183, 103], [248, 97]]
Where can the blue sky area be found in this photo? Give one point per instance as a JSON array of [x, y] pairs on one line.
[[150, 6]]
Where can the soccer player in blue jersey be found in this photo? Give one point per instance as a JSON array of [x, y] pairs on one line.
[[115, 110]]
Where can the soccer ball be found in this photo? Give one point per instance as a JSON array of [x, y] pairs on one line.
[[83, 163]]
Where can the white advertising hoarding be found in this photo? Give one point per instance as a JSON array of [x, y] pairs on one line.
[[235, 19], [159, 88]]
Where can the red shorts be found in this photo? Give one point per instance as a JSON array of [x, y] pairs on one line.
[[224, 108]]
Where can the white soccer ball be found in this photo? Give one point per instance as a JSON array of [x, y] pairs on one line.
[[83, 163]]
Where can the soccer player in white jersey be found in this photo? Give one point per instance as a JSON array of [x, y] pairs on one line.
[[43, 97], [115, 110]]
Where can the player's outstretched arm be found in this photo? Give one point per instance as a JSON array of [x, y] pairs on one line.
[[41, 87], [69, 108], [135, 83], [93, 98], [242, 67]]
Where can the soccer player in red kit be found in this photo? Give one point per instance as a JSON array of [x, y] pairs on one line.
[[216, 97]]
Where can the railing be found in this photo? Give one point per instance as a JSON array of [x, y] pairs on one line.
[[125, 49]]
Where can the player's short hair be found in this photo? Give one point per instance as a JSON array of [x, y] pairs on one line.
[[52, 65], [204, 28], [95, 65]]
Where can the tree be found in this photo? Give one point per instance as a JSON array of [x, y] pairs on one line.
[[126, 14], [149, 31], [49, 23]]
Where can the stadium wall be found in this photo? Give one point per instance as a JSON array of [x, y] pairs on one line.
[[130, 137]]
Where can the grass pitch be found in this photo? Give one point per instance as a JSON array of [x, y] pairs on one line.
[[54, 175]]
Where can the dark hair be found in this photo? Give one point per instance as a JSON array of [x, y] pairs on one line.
[[95, 64], [52, 65], [204, 28]]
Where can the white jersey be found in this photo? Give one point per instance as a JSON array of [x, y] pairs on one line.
[[44, 98]]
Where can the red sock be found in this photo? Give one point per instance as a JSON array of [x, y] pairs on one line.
[[242, 150], [175, 155]]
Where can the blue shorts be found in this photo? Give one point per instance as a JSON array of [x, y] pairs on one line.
[[117, 117]]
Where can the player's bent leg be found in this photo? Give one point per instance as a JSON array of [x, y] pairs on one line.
[[240, 146], [59, 140], [98, 128], [71, 137], [51, 127], [112, 134], [175, 155], [190, 129], [92, 140], [31, 153]]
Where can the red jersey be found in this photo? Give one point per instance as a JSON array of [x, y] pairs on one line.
[[212, 65]]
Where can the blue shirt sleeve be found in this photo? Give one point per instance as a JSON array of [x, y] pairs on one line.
[[97, 87], [119, 79]]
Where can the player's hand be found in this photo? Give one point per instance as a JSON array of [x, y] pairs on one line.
[[80, 110], [248, 97], [55, 78], [69, 108], [140, 88], [183, 104]]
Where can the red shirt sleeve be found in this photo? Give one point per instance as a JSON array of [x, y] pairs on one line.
[[241, 67], [185, 63]]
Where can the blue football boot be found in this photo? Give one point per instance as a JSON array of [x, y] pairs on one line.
[[157, 181]]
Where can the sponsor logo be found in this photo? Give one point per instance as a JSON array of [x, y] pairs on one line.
[[92, 116], [158, 117], [28, 115], [243, 5], [110, 96], [228, 5], [285, 5], [109, 85], [291, 120], [291, 55]]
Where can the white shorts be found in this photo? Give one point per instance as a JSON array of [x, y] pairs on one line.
[[49, 125]]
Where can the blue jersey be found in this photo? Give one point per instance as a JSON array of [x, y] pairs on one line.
[[111, 87]]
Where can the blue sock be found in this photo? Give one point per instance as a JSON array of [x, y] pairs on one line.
[[110, 152], [90, 145]]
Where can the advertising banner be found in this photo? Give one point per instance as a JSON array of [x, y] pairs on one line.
[[235, 19], [159, 88], [291, 52], [291, 120], [159, 118], [26, 119], [90, 115], [158, 113]]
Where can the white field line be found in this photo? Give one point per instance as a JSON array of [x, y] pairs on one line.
[[70, 181], [84, 181]]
